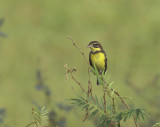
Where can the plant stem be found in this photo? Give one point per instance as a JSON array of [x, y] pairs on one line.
[[104, 98], [69, 37], [34, 122]]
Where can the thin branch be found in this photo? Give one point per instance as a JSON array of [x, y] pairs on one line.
[[89, 74], [77, 82], [89, 83], [34, 122], [113, 101], [68, 70], [135, 121], [89, 93], [34, 117], [86, 116], [104, 98], [118, 96], [74, 90], [125, 104], [73, 42], [113, 104]]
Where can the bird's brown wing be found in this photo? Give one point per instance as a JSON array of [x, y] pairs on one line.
[[105, 63], [90, 61]]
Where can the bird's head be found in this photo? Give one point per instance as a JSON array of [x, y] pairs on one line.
[[95, 46]]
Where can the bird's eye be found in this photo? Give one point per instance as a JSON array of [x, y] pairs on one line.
[[95, 45]]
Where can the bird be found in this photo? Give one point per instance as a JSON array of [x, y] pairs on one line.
[[97, 57]]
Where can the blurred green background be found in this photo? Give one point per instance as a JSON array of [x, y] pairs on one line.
[[37, 44]]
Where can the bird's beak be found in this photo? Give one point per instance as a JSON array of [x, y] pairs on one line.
[[89, 46]]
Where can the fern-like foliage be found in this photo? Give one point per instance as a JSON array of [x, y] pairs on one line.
[[156, 125], [40, 116], [105, 111], [96, 108], [100, 77]]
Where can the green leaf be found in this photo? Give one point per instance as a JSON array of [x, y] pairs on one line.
[[100, 119], [37, 116], [112, 92], [145, 114], [101, 81], [97, 102], [77, 102], [42, 109], [102, 103], [45, 112], [94, 70], [108, 78], [156, 125], [92, 107], [107, 123], [35, 109], [142, 115], [130, 113], [137, 112], [40, 116], [93, 113], [81, 98], [81, 104], [125, 118], [91, 99], [75, 99], [110, 85], [103, 73], [85, 106], [119, 117]]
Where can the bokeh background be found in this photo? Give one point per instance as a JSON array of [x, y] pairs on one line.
[[33, 54]]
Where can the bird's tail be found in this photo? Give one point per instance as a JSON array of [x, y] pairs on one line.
[[97, 82], [100, 81]]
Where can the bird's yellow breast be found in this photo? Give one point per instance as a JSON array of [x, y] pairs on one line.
[[99, 60]]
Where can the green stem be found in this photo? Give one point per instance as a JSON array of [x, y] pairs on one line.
[[34, 122]]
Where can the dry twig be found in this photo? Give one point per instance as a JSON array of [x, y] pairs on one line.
[[69, 37], [70, 71]]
